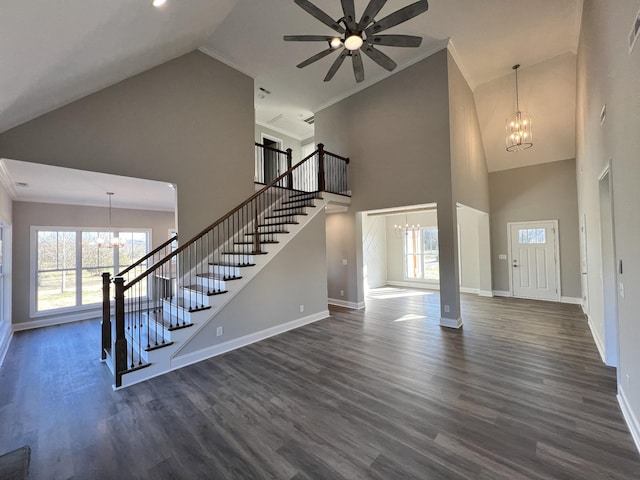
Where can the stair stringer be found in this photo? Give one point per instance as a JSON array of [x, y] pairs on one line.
[[164, 360]]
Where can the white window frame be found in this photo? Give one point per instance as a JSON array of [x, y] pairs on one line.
[[430, 281], [33, 262]]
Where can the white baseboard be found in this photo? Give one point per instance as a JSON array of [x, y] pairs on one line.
[[426, 285], [344, 303], [596, 339], [451, 322], [6, 334], [215, 350], [469, 290], [571, 300], [501, 293], [629, 417], [485, 293], [378, 284], [77, 317]]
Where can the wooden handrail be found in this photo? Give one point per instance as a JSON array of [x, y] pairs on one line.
[[215, 224], [148, 255], [270, 148], [164, 295], [339, 157]]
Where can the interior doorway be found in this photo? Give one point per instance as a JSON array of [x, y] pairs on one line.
[[609, 291], [271, 164]]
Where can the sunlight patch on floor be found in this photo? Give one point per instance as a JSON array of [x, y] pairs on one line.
[[387, 293], [408, 317]]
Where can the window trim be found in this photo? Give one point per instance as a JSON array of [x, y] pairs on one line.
[[33, 266], [429, 281]]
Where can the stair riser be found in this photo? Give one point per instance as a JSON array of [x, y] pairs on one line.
[[211, 284], [169, 311], [247, 249], [225, 271], [288, 218], [237, 259], [192, 298]]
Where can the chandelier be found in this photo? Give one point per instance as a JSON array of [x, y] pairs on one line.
[[114, 242], [401, 230], [518, 126]]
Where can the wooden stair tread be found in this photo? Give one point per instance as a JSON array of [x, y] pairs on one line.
[[262, 242], [232, 265], [244, 253], [267, 233], [206, 291], [276, 223]]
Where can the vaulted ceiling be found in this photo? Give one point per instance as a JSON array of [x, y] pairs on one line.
[[56, 52]]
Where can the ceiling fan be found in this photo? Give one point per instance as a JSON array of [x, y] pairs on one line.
[[356, 37]]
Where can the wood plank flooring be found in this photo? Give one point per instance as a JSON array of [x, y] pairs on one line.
[[385, 393]]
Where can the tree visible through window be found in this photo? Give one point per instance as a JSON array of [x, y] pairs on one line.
[[70, 265], [421, 253]]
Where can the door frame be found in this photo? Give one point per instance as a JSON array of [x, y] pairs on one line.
[[556, 254], [609, 274]]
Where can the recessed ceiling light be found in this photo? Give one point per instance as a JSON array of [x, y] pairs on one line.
[[158, 3]]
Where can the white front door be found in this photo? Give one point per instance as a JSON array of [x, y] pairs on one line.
[[533, 260]]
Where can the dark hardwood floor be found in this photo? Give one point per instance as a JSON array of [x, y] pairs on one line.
[[384, 393]]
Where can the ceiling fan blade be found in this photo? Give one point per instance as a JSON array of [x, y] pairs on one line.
[[378, 57], [316, 57], [314, 11], [358, 68], [395, 40], [349, 10], [370, 12], [398, 17], [308, 38], [336, 65]]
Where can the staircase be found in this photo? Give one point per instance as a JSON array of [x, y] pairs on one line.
[[167, 298]]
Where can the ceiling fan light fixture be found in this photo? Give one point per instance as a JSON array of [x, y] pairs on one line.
[[336, 42], [353, 42]]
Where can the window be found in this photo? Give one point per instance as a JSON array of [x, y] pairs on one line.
[[421, 254], [69, 265], [532, 235]]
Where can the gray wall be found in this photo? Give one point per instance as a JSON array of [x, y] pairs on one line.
[[297, 276], [189, 121], [28, 214], [468, 164], [539, 192], [341, 238], [608, 74], [396, 133]]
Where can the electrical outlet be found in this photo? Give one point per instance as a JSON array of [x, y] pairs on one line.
[[342, 293], [219, 332], [447, 308], [344, 261], [301, 308]]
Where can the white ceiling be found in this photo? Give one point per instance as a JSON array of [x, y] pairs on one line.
[[31, 182], [56, 52]]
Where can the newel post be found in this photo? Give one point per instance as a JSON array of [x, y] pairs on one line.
[[321, 185], [106, 315], [120, 354], [289, 165]]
